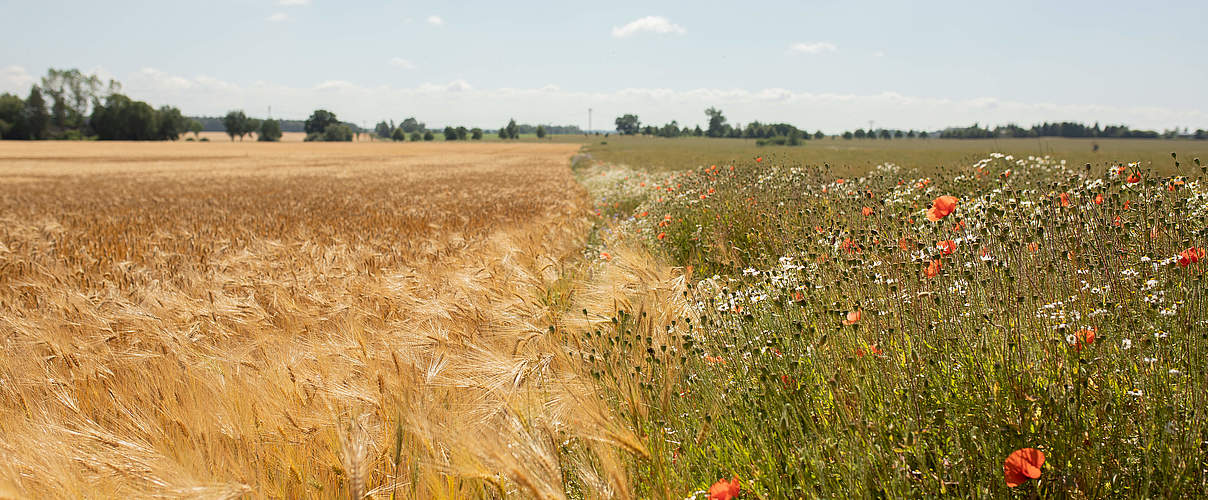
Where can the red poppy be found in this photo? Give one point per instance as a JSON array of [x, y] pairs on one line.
[[1133, 178], [941, 207], [839, 181], [711, 190], [1085, 337], [853, 317], [904, 245], [787, 380], [1022, 465], [1033, 247], [716, 360], [798, 296], [605, 256], [933, 269], [1099, 199], [662, 235], [867, 211], [873, 349], [643, 214], [946, 247], [725, 490], [1065, 199], [1128, 204], [1190, 256], [758, 159]]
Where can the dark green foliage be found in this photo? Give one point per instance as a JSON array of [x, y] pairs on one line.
[[120, 118], [540, 131], [450, 134], [237, 124], [270, 131], [319, 121], [428, 135], [398, 135], [628, 124], [476, 134]]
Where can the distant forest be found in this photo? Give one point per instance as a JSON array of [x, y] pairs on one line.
[[214, 124]]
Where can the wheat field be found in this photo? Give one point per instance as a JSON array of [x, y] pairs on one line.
[[287, 321]]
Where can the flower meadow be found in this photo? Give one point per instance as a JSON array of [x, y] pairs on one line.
[[1007, 326]]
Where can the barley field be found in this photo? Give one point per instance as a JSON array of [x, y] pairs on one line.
[[284, 320]]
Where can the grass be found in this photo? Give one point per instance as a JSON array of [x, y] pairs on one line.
[[1054, 319]]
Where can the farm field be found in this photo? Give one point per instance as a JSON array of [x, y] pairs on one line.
[[622, 318], [915, 319], [280, 320]]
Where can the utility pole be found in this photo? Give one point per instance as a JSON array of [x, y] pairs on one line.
[[589, 121]]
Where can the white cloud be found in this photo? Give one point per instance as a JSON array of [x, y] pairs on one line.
[[287, 3], [15, 79], [401, 63], [648, 24], [277, 17], [435, 21], [813, 47], [458, 102]]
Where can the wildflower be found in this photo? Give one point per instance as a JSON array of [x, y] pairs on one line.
[[605, 256], [1065, 199], [758, 159], [1190, 256], [662, 235], [1126, 344], [946, 247], [853, 317], [1033, 247], [1085, 337], [933, 269], [941, 207], [872, 349], [716, 360], [1099, 199], [867, 211], [1133, 178], [904, 244], [1022, 465], [725, 490]]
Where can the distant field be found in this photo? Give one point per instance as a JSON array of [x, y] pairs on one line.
[[857, 155]]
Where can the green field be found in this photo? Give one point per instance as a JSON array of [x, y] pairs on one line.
[[832, 341]]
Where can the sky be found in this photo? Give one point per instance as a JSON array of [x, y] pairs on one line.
[[825, 65]]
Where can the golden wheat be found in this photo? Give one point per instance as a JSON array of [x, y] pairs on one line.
[[303, 320]]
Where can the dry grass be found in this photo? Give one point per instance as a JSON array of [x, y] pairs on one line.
[[302, 320]]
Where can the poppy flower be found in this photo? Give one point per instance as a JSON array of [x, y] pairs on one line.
[[787, 380], [605, 256], [853, 317], [904, 244], [725, 489], [662, 235], [1133, 178], [758, 159], [1190, 256], [798, 296], [933, 269], [1033, 247], [873, 349], [716, 360], [1085, 337], [1022, 465], [946, 247], [1099, 199], [1065, 199], [1128, 204], [941, 207], [643, 214], [840, 181], [867, 211]]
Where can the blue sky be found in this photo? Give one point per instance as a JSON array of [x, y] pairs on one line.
[[819, 64]]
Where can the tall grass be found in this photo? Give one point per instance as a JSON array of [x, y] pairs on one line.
[[810, 353]]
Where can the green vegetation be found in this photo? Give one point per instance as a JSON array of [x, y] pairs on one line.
[[847, 332]]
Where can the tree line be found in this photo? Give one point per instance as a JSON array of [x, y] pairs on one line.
[[766, 133], [67, 104], [1062, 129]]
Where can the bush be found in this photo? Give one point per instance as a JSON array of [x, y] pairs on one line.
[[428, 136], [270, 131], [415, 137]]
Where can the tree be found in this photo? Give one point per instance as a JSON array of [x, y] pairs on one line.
[[195, 127], [416, 137], [36, 118], [123, 119], [859, 133], [398, 135], [383, 130], [819, 135], [337, 133], [169, 124], [462, 133], [503, 132], [540, 131], [923, 134], [236, 124], [717, 122], [476, 134], [12, 117], [628, 124], [270, 131], [428, 135], [847, 135], [320, 120], [71, 92], [513, 133], [411, 125], [450, 134]]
